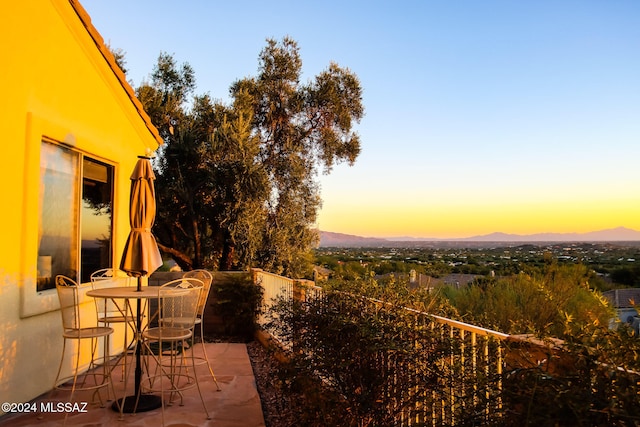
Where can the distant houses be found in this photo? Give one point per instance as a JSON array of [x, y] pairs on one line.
[[625, 302], [453, 280]]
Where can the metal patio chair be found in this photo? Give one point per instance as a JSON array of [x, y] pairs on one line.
[[207, 280], [111, 313], [174, 321], [76, 328]]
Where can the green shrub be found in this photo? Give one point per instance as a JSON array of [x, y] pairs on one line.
[[538, 302], [595, 384], [366, 363], [237, 301]]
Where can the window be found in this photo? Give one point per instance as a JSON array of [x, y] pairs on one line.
[[75, 202], [97, 197]]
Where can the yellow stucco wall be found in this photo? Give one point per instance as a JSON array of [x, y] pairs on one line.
[[55, 83]]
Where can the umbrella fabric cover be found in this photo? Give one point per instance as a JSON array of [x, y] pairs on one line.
[[141, 255]]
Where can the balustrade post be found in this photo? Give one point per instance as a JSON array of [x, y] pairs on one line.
[[527, 351], [299, 292]]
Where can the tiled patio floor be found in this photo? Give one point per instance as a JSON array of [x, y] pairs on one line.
[[236, 405]]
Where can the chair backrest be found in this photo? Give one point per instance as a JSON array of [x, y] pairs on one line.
[[103, 274], [206, 278], [99, 279], [68, 295], [110, 274], [178, 302]]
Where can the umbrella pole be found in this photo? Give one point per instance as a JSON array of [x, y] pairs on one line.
[[145, 402], [138, 402], [138, 373]]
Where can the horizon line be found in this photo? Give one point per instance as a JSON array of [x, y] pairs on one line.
[[503, 235]]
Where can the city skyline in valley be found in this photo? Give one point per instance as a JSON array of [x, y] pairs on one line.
[[480, 117]]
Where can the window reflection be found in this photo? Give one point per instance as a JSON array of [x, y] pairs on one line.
[[97, 189], [57, 250], [75, 228]]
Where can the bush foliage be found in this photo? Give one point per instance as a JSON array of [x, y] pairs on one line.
[[539, 302], [361, 362], [237, 301], [361, 359]]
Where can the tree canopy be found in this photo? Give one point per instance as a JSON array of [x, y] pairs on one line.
[[237, 184]]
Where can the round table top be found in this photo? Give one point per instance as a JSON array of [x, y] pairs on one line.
[[125, 292]]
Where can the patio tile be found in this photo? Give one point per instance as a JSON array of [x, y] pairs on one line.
[[236, 405]]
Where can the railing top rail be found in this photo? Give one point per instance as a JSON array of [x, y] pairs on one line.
[[469, 328], [266, 273], [455, 323], [443, 320]]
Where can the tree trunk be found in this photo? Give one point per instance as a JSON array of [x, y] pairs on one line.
[[183, 260], [228, 253], [197, 245]]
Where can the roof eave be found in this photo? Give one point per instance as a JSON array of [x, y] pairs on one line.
[[108, 56]]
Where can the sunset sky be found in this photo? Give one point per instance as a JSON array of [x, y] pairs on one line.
[[481, 116]]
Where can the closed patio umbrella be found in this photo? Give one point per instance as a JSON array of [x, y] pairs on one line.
[[141, 257]]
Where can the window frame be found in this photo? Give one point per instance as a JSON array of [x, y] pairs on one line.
[[39, 129], [65, 202], [83, 220]]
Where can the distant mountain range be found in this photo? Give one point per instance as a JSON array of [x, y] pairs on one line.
[[620, 234]]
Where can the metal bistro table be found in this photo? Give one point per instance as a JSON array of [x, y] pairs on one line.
[[147, 402]]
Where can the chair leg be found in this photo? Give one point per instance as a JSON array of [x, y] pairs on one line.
[[159, 373], [128, 311], [106, 369], [75, 370], [148, 352], [173, 374], [55, 381], [93, 367], [204, 350], [125, 350], [64, 347], [107, 350], [193, 363], [75, 379], [176, 370]]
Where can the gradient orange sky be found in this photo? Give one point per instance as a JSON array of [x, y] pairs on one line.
[[481, 116], [441, 220]]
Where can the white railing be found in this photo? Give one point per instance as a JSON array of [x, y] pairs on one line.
[[475, 353], [275, 287], [279, 287]]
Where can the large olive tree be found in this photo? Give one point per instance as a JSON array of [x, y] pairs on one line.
[[236, 183], [301, 127]]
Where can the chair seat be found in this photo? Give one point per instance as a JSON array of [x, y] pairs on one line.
[[94, 332], [117, 318], [112, 319], [177, 322], [167, 333]]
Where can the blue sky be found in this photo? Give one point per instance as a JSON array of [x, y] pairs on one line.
[[481, 116]]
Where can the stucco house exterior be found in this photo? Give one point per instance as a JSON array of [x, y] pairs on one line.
[[74, 130]]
